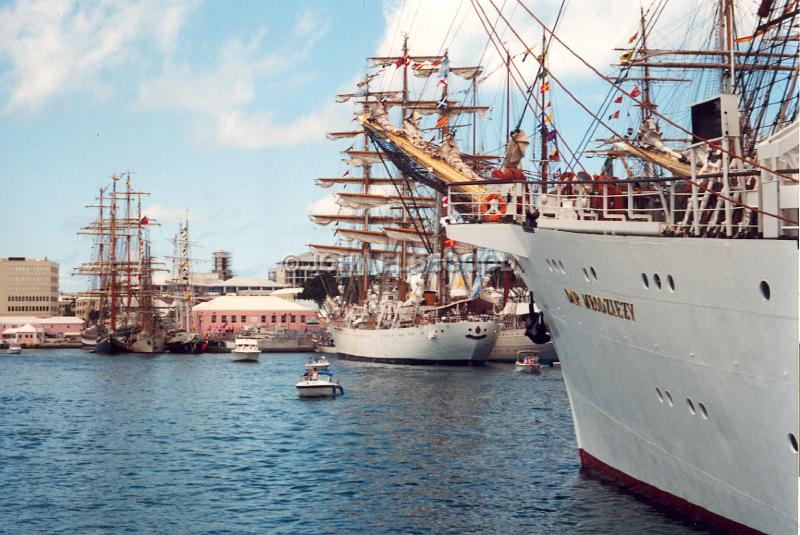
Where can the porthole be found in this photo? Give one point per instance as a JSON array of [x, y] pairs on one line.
[[585, 275], [669, 397], [703, 411], [645, 282], [691, 406], [657, 280], [594, 273], [477, 330], [671, 283], [660, 396], [793, 442], [765, 291]]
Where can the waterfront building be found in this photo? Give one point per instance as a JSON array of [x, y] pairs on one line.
[[232, 313], [33, 331], [296, 270], [28, 287]]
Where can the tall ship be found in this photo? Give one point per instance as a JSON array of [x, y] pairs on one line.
[[671, 292], [123, 316], [395, 305], [183, 336]]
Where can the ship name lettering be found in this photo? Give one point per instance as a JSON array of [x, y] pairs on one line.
[[612, 307]]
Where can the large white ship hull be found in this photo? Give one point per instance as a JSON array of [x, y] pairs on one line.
[[458, 343], [638, 363]]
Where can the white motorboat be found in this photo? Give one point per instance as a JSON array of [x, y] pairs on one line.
[[14, 349], [246, 350], [320, 363], [528, 362], [318, 385]]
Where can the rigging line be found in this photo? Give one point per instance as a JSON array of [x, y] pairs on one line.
[[420, 231], [619, 88], [636, 149], [590, 132], [541, 66], [519, 87]]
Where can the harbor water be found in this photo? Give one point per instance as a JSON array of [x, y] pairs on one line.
[[198, 444]]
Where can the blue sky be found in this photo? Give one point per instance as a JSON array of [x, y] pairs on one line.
[[218, 108]]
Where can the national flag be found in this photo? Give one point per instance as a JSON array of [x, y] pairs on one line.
[[442, 103], [442, 122], [144, 221], [544, 88], [614, 115], [618, 100], [633, 38], [635, 93], [624, 58], [476, 288], [745, 39], [402, 61]]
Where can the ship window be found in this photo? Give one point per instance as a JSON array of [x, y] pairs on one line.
[[585, 275], [549, 265], [660, 396], [703, 411], [691, 406], [793, 442], [765, 291], [669, 397], [594, 273], [671, 283], [645, 282], [561, 266], [657, 280]]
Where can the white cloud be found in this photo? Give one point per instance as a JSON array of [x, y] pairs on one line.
[[60, 46], [221, 98]]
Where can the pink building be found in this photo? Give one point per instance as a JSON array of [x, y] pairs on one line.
[[232, 313], [31, 331]]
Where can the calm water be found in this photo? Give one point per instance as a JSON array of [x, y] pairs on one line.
[[198, 444]]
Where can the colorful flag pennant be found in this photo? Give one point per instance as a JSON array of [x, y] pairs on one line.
[[442, 122], [544, 88], [614, 115], [552, 135], [626, 57], [633, 38], [554, 156], [144, 221], [635, 93], [618, 100]]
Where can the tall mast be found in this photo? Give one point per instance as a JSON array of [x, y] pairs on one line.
[[366, 173], [543, 119], [401, 282], [112, 256], [646, 98], [128, 235]]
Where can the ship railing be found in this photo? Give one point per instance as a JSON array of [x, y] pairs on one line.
[[712, 204]]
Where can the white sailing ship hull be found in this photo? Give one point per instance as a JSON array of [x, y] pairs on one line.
[[688, 395], [458, 343], [512, 341]]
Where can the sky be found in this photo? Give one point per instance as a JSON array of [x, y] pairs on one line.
[[219, 109]]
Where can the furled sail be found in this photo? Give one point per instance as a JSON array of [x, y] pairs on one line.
[[369, 236], [408, 234], [363, 201], [343, 135], [515, 149]]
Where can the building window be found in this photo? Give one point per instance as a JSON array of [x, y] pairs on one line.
[[233, 318], [263, 319], [294, 318], [302, 319], [243, 319], [283, 318], [213, 318], [274, 318], [224, 318]]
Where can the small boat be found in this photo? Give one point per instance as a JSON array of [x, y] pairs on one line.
[[528, 362], [320, 363], [318, 384], [246, 350], [14, 349]]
